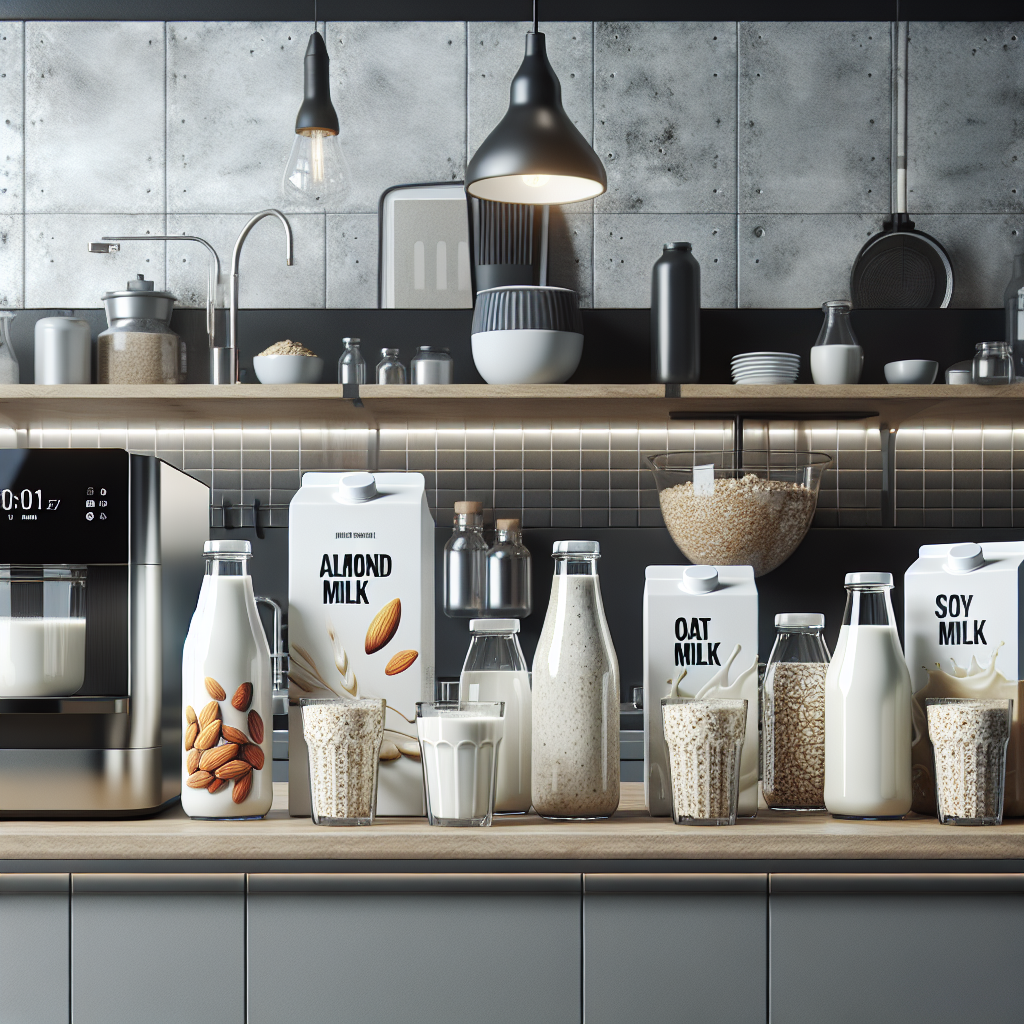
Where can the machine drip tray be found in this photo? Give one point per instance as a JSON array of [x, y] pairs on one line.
[[64, 723]]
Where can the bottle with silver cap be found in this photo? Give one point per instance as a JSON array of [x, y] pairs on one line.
[[793, 714], [509, 590], [575, 769], [351, 365], [226, 694], [465, 562], [432, 365], [867, 708]]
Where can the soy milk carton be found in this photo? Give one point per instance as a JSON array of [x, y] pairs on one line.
[[361, 617], [700, 640], [963, 628]]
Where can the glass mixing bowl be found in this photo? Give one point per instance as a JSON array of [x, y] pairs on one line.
[[751, 508]]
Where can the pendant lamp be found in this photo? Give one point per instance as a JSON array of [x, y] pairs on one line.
[[535, 154], [316, 168]]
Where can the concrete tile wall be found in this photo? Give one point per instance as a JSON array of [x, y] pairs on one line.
[[709, 131]]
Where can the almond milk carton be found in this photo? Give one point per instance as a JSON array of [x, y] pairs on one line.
[[361, 617], [700, 640]]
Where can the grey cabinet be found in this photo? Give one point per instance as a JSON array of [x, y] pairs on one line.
[[34, 954], [671, 948], [912, 949], [159, 949], [434, 949]]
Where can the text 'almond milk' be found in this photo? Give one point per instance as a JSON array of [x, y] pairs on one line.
[[361, 617]]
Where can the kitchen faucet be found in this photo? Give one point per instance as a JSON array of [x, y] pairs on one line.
[[224, 366]]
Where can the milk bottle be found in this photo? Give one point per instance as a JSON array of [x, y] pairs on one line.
[[361, 616], [700, 627], [962, 608]]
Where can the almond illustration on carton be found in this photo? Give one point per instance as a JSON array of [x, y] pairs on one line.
[[214, 689], [210, 712], [400, 662], [242, 698], [255, 726], [384, 626], [199, 780], [190, 715], [233, 769], [192, 760], [253, 754], [241, 788], [233, 735], [190, 735], [213, 758], [209, 735]]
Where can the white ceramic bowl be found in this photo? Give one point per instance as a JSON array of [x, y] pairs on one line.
[[288, 369], [527, 356], [912, 371]]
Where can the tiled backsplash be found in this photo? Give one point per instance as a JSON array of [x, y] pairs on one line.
[[766, 144]]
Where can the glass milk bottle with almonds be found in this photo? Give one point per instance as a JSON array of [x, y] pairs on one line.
[[227, 721]]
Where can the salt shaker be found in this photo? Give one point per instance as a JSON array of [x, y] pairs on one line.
[[432, 366], [351, 365], [508, 572], [390, 369]]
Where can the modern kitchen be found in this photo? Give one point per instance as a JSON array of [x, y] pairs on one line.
[[542, 490]]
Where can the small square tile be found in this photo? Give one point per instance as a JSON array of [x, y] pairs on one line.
[[909, 498], [622, 517], [536, 499], [594, 499], [535, 479], [593, 518], [417, 462], [623, 499], [966, 499], [477, 479], [651, 517], [508, 499], [565, 460], [253, 479], [910, 518], [480, 460], [995, 498], [967, 518], [508, 460], [596, 460], [391, 462], [539, 518], [565, 499], [997, 479], [997, 518], [853, 518], [940, 479], [938, 499], [624, 479], [450, 460], [941, 518]]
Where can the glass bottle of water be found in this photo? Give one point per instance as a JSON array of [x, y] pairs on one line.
[[351, 365], [508, 572], [390, 369], [465, 562]]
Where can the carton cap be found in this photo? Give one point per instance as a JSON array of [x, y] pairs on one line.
[[358, 487], [700, 579], [964, 558]]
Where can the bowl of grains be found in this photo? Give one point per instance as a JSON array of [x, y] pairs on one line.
[[748, 508], [288, 362]]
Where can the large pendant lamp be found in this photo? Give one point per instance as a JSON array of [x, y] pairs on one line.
[[535, 154]]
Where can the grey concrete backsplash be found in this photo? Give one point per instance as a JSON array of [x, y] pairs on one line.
[[765, 144]]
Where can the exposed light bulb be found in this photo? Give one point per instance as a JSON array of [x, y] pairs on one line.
[[316, 167], [536, 180]]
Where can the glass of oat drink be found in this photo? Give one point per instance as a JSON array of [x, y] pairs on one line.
[[969, 737], [343, 738], [705, 740]]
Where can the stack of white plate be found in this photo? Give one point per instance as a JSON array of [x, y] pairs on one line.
[[765, 368]]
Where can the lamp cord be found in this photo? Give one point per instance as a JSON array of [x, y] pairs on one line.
[[535, 21], [314, 16]]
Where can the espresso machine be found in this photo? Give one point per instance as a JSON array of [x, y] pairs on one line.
[[101, 561]]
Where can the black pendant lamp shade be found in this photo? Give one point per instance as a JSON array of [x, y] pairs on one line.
[[317, 112], [536, 154]]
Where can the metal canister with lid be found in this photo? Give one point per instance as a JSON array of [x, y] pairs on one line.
[[138, 346], [432, 366]]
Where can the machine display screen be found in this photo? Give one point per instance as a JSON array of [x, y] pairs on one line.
[[63, 505]]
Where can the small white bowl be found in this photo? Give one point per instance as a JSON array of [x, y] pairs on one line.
[[912, 371], [527, 356], [288, 369]]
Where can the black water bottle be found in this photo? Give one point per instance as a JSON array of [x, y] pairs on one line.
[[675, 316]]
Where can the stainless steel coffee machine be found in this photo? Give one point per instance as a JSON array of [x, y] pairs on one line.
[[101, 561]]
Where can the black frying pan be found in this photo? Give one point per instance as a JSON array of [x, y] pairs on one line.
[[900, 267]]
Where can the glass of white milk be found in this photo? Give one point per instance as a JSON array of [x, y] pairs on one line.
[[459, 742]]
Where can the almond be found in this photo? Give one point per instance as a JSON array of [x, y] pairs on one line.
[[213, 758], [400, 662], [253, 754], [215, 785], [241, 788], [210, 712], [242, 698], [190, 715], [199, 780], [209, 735], [255, 727], [233, 769], [384, 626], [190, 735], [192, 760], [214, 689], [233, 735], [388, 751]]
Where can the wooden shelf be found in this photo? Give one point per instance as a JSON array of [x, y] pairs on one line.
[[390, 405]]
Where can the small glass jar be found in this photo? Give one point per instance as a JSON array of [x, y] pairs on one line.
[[432, 366], [509, 590], [390, 369], [351, 365], [836, 356], [10, 372], [793, 715], [465, 563], [993, 363]]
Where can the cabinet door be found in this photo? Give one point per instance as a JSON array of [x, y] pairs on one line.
[[916, 949], [159, 949], [671, 948], [434, 949], [34, 938]]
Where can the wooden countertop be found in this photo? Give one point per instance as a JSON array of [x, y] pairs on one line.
[[631, 834]]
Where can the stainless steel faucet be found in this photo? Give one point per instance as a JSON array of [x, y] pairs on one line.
[[224, 362], [278, 656]]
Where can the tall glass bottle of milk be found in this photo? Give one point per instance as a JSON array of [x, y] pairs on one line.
[[496, 664], [227, 718], [867, 708], [575, 769]]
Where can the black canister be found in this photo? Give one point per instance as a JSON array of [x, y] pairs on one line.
[[675, 316]]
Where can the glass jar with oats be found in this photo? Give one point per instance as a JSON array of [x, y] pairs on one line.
[[138, 346], [793, 714]]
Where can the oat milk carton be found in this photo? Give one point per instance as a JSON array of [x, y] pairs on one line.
[[963, 637], [361, 616], [700, 629]]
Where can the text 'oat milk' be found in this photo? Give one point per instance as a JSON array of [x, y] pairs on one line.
[[963, 629], [361, 616], [700, 626]]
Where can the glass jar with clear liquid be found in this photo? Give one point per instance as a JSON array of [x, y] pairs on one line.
[[351, 365], [575, 768], [509, 587], [993, 363], [793, 714], [465, 563], [495, 670], [390, 369], [868, 708]]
